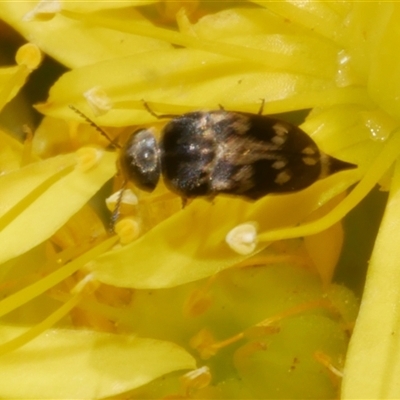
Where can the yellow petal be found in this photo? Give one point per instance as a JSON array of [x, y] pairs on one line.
[[74, 44], [316, 16], [191, 245], [383, 82], [135, 78], [373, 363], [64, 364], [236, 21], [96, 5], [10, 153], [16, 185], [325, 247], [213, 70], [283, 47], [12, 79], [43, 196]]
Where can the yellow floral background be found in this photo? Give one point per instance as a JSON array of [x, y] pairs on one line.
[[167, 308]]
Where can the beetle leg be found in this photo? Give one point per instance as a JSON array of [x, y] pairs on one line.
[[260, 111]]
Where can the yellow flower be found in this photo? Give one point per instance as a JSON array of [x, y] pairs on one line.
[[275, 326]]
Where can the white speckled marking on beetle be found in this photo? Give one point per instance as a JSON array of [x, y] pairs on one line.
[[309, 151], [309, 160], [280, 129], [283, 177], [279, 164]]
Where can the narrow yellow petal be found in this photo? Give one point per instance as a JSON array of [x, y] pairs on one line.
[[45, 214], [16, 185], [373, 363], [316, 16], [10, 153], [40, 286], [383, 82], [97, 5]]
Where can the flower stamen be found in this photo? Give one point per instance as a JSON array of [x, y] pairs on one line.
[[243, 238], [196, 379], [44, 7], [88, 157], [98, 100], [127, 229]]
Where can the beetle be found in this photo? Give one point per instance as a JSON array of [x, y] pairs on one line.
[[207, 153]]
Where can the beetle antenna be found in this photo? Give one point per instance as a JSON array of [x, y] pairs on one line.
[[94, 125]]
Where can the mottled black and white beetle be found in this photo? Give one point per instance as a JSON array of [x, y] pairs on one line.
[[206, 153]]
